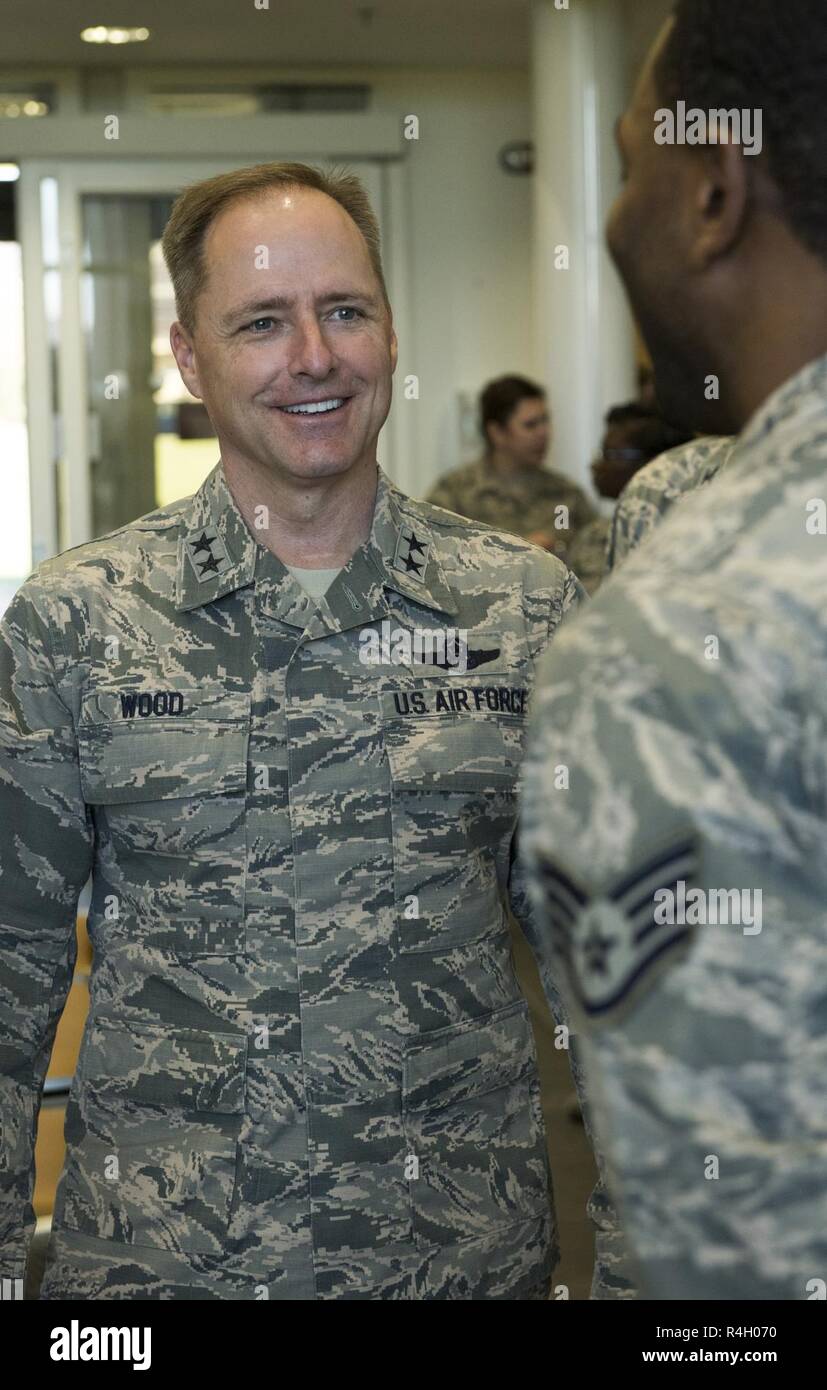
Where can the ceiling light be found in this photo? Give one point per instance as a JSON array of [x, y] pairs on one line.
[[22, 104], [104, 33], [9, 173]]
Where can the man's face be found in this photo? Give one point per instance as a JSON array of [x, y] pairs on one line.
[[290, 314], [525, 436], [651, 234]]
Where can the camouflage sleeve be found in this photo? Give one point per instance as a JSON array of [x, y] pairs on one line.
[[45, 859], [614, 1274], [574, 596], [613, 1277], [655, 489], [613, 543], [682, 900], [553, 593], [633, 518]]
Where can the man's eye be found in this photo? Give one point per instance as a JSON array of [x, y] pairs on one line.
[[348, 309], [256, 324]]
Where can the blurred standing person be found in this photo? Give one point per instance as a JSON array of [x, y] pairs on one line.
[[509, 487], [655, 488], [634, 436]]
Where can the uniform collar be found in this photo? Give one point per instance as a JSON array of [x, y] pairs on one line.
[[217, 553], [798, 397]]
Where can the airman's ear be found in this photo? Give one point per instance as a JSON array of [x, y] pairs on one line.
[[720, 204]]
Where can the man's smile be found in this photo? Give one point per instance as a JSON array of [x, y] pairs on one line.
[[316, 410]]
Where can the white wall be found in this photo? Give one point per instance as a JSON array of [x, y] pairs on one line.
[[469, 236]]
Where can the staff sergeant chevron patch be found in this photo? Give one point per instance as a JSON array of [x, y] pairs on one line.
[[207, 555], [614, 942]]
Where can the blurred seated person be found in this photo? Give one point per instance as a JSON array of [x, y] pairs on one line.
[[635, 434], [508, 487]]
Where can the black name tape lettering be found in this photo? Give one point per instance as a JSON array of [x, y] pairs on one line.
[[143, 705]]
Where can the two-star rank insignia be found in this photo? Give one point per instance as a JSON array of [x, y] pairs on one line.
[[207, 554], [411, 556], [614, 942]]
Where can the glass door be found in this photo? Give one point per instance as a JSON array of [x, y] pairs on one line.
[[118, 233]]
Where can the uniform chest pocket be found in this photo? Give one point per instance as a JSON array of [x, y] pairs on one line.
[[454, 776], [152, 1137], [168, 792], [473, 1120]]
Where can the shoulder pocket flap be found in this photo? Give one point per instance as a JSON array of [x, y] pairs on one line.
[[194, 1071], [458, 1063], [130, 757]]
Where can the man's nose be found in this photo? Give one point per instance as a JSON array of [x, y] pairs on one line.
[[310, 353]]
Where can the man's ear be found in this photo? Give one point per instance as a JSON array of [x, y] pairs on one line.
[[394, 348], [183, 351], [721, 203]]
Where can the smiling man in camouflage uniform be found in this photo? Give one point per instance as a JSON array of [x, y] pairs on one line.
[[308, 1071], [682, 869]]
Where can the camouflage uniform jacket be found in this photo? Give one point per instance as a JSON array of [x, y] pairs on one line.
[[655, 489], [308, 1070], [683, 870], [521, 502]]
